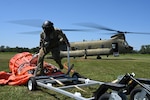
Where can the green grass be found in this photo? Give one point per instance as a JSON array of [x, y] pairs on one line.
[[106, 69]]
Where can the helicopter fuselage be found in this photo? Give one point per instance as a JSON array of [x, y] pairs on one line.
[[115, 45]]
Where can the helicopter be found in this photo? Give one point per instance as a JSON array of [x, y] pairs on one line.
[[115, 45]]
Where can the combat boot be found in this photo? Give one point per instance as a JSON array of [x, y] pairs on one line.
[[39, 72]]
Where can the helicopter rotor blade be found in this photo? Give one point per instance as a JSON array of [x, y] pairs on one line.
[[38, 23], [38, 31], [30, 32], [81, 30], [28, 22], [126, 32], [96, 26]]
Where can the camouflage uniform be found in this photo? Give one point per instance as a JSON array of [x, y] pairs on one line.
[[51, 43]]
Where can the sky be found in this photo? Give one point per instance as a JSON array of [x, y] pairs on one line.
[[123, 15]]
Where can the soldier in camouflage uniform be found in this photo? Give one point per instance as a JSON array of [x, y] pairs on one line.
[[50, 39]]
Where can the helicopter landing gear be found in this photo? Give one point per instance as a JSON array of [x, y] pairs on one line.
[[99, 57], [85, 57]]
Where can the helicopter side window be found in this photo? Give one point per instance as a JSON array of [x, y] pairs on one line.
[[74, 48], [89, 47], [115, 47], [102, 46]]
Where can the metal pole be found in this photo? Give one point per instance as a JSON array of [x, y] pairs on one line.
[[69, 94], [68, 56]]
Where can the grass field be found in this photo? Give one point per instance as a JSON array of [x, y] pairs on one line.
[[106, 69]]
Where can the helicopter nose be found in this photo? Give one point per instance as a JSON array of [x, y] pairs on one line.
[[129, 48]]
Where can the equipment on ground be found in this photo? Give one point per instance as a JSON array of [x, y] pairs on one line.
[[105, 91], [22, 67]]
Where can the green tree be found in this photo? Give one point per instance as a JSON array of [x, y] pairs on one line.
[[145, 49]]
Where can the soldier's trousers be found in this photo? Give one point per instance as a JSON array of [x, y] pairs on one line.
[[42, 53]]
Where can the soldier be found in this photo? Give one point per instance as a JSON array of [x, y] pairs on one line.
[[50, 39]]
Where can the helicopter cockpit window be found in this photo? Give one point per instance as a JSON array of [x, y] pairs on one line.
[[125, 43], [89, 47]]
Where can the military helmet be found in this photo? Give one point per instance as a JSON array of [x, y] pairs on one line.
[[47, 24]]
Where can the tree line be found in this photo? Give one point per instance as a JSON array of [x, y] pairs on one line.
[[145, 49], [18, 49]]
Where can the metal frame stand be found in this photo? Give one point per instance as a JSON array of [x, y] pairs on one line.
[[77, 82]]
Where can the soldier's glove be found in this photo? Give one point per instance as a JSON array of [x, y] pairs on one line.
[[61, 40], [46, 44]]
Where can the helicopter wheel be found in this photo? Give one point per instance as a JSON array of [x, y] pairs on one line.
[[85, 57], [99, 57]]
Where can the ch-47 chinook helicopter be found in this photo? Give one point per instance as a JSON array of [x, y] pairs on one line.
[[115, 45]]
